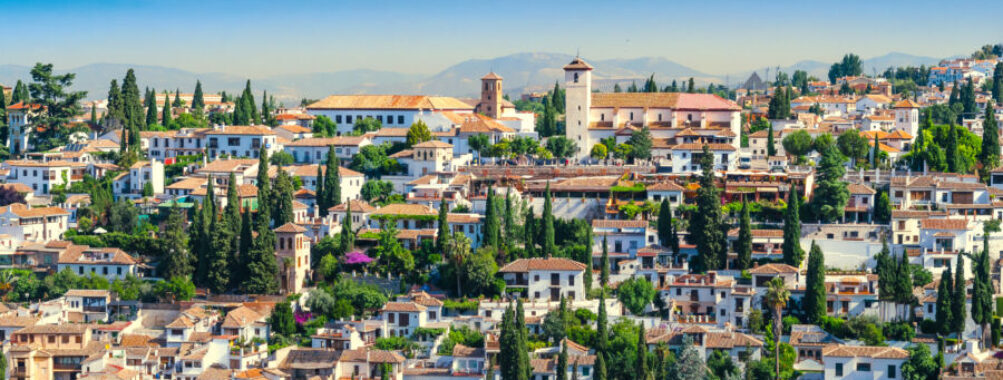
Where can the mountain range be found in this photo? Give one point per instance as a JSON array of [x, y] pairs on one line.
[[523, 72]]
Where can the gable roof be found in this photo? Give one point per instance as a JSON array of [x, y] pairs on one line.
[[545, 264], [389, 102]]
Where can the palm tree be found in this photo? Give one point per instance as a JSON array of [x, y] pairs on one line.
[[457, 248], [7, 280], [776, 297]]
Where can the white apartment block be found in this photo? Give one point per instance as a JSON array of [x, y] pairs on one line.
[[42, 177], [542, 279], [314, 150], [38, 224], [239, 141], [393, 111]]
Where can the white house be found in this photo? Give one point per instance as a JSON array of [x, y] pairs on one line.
[[110, 263], [351, 180], [863, 362], [402, 318], [394, 111], [33, 224], [42, 177], [544, 279], [314, 150], [239, 141]]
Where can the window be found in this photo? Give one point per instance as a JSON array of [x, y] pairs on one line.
[[839, 369], [337, 119], [576, 77], [400, 119], [864, 367], [233, 141], [348, 118], [891, 371], [391, 317]]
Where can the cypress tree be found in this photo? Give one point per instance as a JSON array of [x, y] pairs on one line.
[[664, 223], [510, 227], [283, 198], [508, 346], [322, 205], [332, 180], [174, 246], [903, 283], [744, 249], [490, 233], [198, 101], [562, 363], [793, 254], [114, 113], [951, 151], [177, 98], [347, 238], [134, 116], [526, 370], [958, 312], [705, 224], [264, 188], [249, 107], [874, 152], [94, 115], [262, 266], [815, 293], [604, 262], [166, 118], [642, 354], [548, 224], [674, 237], [944, 301], [982, 298], [151, 108], [218, 256], [240, 262], [600, 367], [443, 234], [529, 233], [19, 93], [602, 335], [771, 147], [989, 156]]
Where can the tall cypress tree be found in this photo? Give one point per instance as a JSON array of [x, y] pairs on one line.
[[239, 263], [771, 146], [151, 107], [510, 227], [174, 247], [134, 116], [944, 300], [219, 254], [262, 267], [508, 345], [604, 263], [114, 113], [815, 294], [562, 363], [332, 180], [490, 233], [664, 223], [347, 237], [177, 98], [642, 354], [529, 233], [526, 370], [322, 205], [264, 183], [951, 151], [548, 223], [744, 248], [903, 285], [443, 234], [19, 94], [198, 100], [793, 254], [166, 119], [989, 156], [282, 210], [958, 311], [249, 107], [705, 224], [600, 367]]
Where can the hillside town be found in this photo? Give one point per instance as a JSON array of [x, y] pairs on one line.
[[784, 227]]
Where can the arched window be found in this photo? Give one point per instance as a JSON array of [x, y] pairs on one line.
[[576, 77]]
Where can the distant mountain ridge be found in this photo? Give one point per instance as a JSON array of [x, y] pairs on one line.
[[523, 72]]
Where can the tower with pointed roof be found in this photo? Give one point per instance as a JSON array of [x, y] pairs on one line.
[[907, 116], [577, 102], [491, 95]]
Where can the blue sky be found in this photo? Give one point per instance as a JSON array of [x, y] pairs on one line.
[[258, 38]]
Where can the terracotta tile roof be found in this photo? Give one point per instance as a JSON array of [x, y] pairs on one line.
[[290, 227], [226, 166], [18, 187], [243, 130], [665, 186], [461, 351], [943, 224], [39, 164], [136, 340], [424, 299], [773, 268], [463, 218], [389, 102], [311, 171], [760, 233], [86, 293], [729, 340], [906, 103], [391, 132], [543, 264], [405, 209], [578, 64], [82, 254], [241, 317], [358, 206], [844, 351], [674, 100], [371, 356], [696, 146], [855, 188], [433, 144], [189, 183], [618, 223]]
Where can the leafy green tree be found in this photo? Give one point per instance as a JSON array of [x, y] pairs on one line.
[[323, 126], [744, 248], [281, 321], [793, 254], [852, 144], [642, 354], [831, 195], [50, 91], [641, 141], [779, 106], [479, 143], [797, 144], [850, 65], [367, 124], [393, 257], [561, 147], [457, 251], [418, 133], [636, 293], [599, 152], [706, 228], [776, 297], [814, 308], [920, 365]]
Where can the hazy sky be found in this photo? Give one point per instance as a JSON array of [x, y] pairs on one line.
[[259, 38]]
